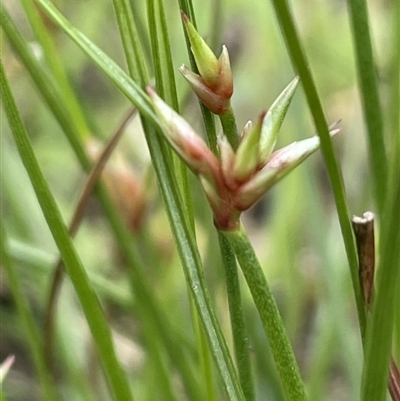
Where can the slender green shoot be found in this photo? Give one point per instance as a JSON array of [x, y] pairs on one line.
[[378, 344], [282, 352], [239, 332], [301, 64], [100, 330], [228, 123], [372, 109]]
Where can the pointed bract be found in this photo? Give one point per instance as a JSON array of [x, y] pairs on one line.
[[251, 191], [274, 118], [279, 165], [225, 80]]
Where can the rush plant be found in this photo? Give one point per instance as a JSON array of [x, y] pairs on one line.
[[273, 329]]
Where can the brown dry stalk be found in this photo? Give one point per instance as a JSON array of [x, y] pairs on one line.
[[363, 228], [73, 226]]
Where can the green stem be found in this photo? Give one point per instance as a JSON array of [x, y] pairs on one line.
[[240, 337], [282, 351], [370, 98], [228, 123], [378, 343], [205, 362], [301, 64]]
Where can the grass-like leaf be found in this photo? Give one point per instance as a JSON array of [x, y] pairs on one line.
[[166, 86], [378, 344], [370, 99], [130, 40], [300, 63], [88, 299], [380, 329]]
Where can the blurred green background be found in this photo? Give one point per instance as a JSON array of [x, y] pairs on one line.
[[294, 228]]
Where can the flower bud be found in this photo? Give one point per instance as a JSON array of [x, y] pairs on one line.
[[184, 139], [206, 61], [214, 102], [225, 81], [214, 85]]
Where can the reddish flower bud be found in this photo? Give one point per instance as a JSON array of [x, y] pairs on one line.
[[214, 102], [206, 61], [214, 85], [184, 139]]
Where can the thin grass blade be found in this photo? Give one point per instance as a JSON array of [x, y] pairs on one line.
[[301, 64], [94, 315], [372, 108]]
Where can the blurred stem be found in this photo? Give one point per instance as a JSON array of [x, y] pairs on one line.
[[281, 348], [301, 64], [28, 322], [370, 98], [162, 374], [331, 279], [73, 226], [130, 40], [98, 325], [166, 88], [324, 348], [216, 20], [228, 122], [239, 333], [56, 65], [209, 390]]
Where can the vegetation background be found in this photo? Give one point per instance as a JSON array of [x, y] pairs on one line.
[[294, 228]]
